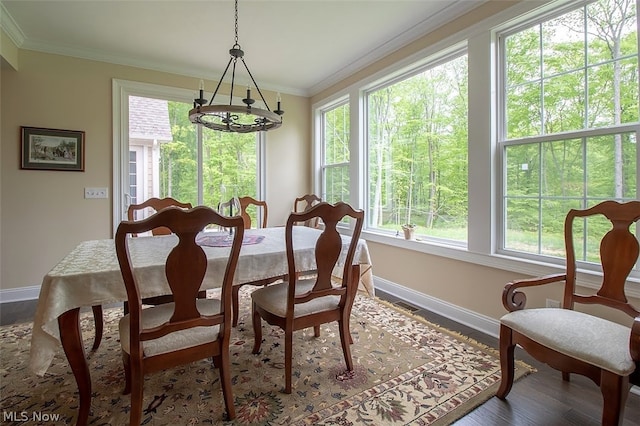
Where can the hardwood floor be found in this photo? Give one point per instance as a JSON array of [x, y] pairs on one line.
[[541, 398]]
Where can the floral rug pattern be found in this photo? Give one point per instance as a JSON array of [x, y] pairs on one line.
[[407, 371]]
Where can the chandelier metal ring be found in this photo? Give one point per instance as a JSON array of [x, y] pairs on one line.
[[235, 118]]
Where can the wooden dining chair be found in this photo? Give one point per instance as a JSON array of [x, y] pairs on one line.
[[245, 203], [155, 205], [570, 341], [304, 203], [300, 303], [188, 329]]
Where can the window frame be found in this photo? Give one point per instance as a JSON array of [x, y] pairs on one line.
[[501, 33], [324, 166], [452, 52]]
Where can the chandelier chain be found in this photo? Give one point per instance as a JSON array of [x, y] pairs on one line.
[[236, 24]]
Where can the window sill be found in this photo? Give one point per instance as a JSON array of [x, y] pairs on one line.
[[585, 278]]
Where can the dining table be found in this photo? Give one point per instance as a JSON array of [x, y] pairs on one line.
[[90, 275]]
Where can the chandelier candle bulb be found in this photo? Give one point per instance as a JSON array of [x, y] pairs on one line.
[[200, 100], [278, 110]]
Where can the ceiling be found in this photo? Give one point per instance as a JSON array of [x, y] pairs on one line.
[[294, 46]]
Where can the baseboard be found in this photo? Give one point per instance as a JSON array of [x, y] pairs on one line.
[[19, 294], [469, 318]]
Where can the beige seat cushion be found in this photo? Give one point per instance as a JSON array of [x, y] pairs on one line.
[[585, 337], [160, 314], [273, 298]]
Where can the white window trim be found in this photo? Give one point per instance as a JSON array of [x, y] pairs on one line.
[[323, 166]]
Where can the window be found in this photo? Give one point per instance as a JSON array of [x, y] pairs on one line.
[[570, 115], [417, 151], [164, 155], [335, 153]]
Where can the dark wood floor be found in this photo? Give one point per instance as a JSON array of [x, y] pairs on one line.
[[541, 398]]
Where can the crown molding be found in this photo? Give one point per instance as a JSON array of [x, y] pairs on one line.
[[454, 10], [10, 27]]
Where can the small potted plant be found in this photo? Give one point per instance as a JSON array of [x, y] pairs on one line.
[[408, 230]]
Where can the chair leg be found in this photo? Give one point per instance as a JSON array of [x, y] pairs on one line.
[[257, 330], [288, 359], [236, 304], [615, 390], [98, 325], [345, 340], [126, 363], [225, 380], [507, 348], [137, 383]]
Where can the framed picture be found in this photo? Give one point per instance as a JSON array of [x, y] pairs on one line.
[[52, 149]]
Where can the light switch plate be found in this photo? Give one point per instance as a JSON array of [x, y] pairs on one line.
[[96, 193]]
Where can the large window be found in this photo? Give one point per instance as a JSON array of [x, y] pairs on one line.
[[158, 152], [417, 151], [570, 111], [335, 153]]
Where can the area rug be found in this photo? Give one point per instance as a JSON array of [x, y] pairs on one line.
[[407, 371]]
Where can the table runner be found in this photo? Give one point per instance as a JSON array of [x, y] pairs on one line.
[[224, 239]]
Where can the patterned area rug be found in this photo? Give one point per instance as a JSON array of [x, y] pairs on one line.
[[408, 371]]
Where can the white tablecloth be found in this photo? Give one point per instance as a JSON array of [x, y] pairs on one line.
[[90, 275]]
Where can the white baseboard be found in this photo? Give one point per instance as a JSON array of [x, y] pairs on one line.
[[469, 318], [19, 294]]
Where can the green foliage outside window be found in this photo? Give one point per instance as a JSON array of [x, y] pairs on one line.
[[229, 162], [417, 143], [576, 73], [335, 164]]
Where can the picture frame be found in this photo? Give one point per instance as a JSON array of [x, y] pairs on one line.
[[52, 149]]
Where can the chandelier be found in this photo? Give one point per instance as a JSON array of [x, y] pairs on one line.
[[235, 118]]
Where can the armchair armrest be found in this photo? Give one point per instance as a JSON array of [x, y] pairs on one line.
[[514, 300]]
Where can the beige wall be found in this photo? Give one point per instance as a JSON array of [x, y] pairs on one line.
[[44, 214]]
